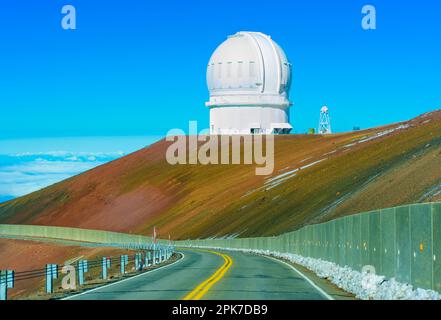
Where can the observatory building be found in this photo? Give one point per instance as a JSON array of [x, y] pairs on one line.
[[249, 77]]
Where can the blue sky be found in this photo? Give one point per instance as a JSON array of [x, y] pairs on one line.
[[137, 68]]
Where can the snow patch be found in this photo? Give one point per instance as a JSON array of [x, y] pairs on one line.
[[274, 184], [304, 160], [431, 193], [384, 133], [312, 164], [277, 180], [329, 153], [375, 136]]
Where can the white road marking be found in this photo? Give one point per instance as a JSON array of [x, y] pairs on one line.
[[121, 281], [322, 292]]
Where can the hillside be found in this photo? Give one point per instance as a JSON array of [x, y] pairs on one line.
[[316, 178]]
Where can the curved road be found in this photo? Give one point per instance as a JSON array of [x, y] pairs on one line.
[[204, 274]]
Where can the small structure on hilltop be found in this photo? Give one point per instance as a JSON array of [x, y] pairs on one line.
[[325, 121]]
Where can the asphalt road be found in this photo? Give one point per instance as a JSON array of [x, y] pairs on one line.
[[212, 275]]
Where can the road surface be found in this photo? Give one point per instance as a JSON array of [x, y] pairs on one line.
[[207, 274]]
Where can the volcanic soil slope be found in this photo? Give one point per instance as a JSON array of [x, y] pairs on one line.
[[316, 178]]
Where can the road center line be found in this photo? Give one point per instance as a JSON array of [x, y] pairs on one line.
[[198, 292]]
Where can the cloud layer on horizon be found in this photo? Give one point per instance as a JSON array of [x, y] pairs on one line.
[[23, 173]]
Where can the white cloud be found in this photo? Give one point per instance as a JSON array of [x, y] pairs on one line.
[[24, 173]]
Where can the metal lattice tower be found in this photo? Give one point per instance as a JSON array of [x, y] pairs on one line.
[[325, 121]]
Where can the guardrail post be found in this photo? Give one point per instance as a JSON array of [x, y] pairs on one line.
[[105, 265], [80, 273], [138, 261], [82, 268], [6, 282], [10, 275], [3, 285], [124, 262], [148, 258], [51, 274]]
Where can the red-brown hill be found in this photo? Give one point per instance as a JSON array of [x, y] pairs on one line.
[[315, 178]]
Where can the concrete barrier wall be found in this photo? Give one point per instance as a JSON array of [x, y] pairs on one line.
[[72, 234], [402, 243]]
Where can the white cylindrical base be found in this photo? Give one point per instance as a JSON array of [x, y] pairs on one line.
[[249, 120]]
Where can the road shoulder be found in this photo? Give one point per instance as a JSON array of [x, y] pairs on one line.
[[324, 284], [324, 287]]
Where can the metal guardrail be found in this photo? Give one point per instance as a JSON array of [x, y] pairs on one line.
[[150, 256], [150, 253], [402, 243]]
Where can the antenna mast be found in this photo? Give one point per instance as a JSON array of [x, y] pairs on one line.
[[325, 121]]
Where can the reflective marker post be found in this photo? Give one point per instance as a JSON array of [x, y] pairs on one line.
[[82, 268], [3, 285], [138, 259], [124, 262], [10, 276], [6, 282], [105, 265], [51, 274], [148, 258]]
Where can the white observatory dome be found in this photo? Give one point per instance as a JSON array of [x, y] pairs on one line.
[[249, 77]]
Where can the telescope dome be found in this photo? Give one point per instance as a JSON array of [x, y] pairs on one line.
[[251, 71]]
